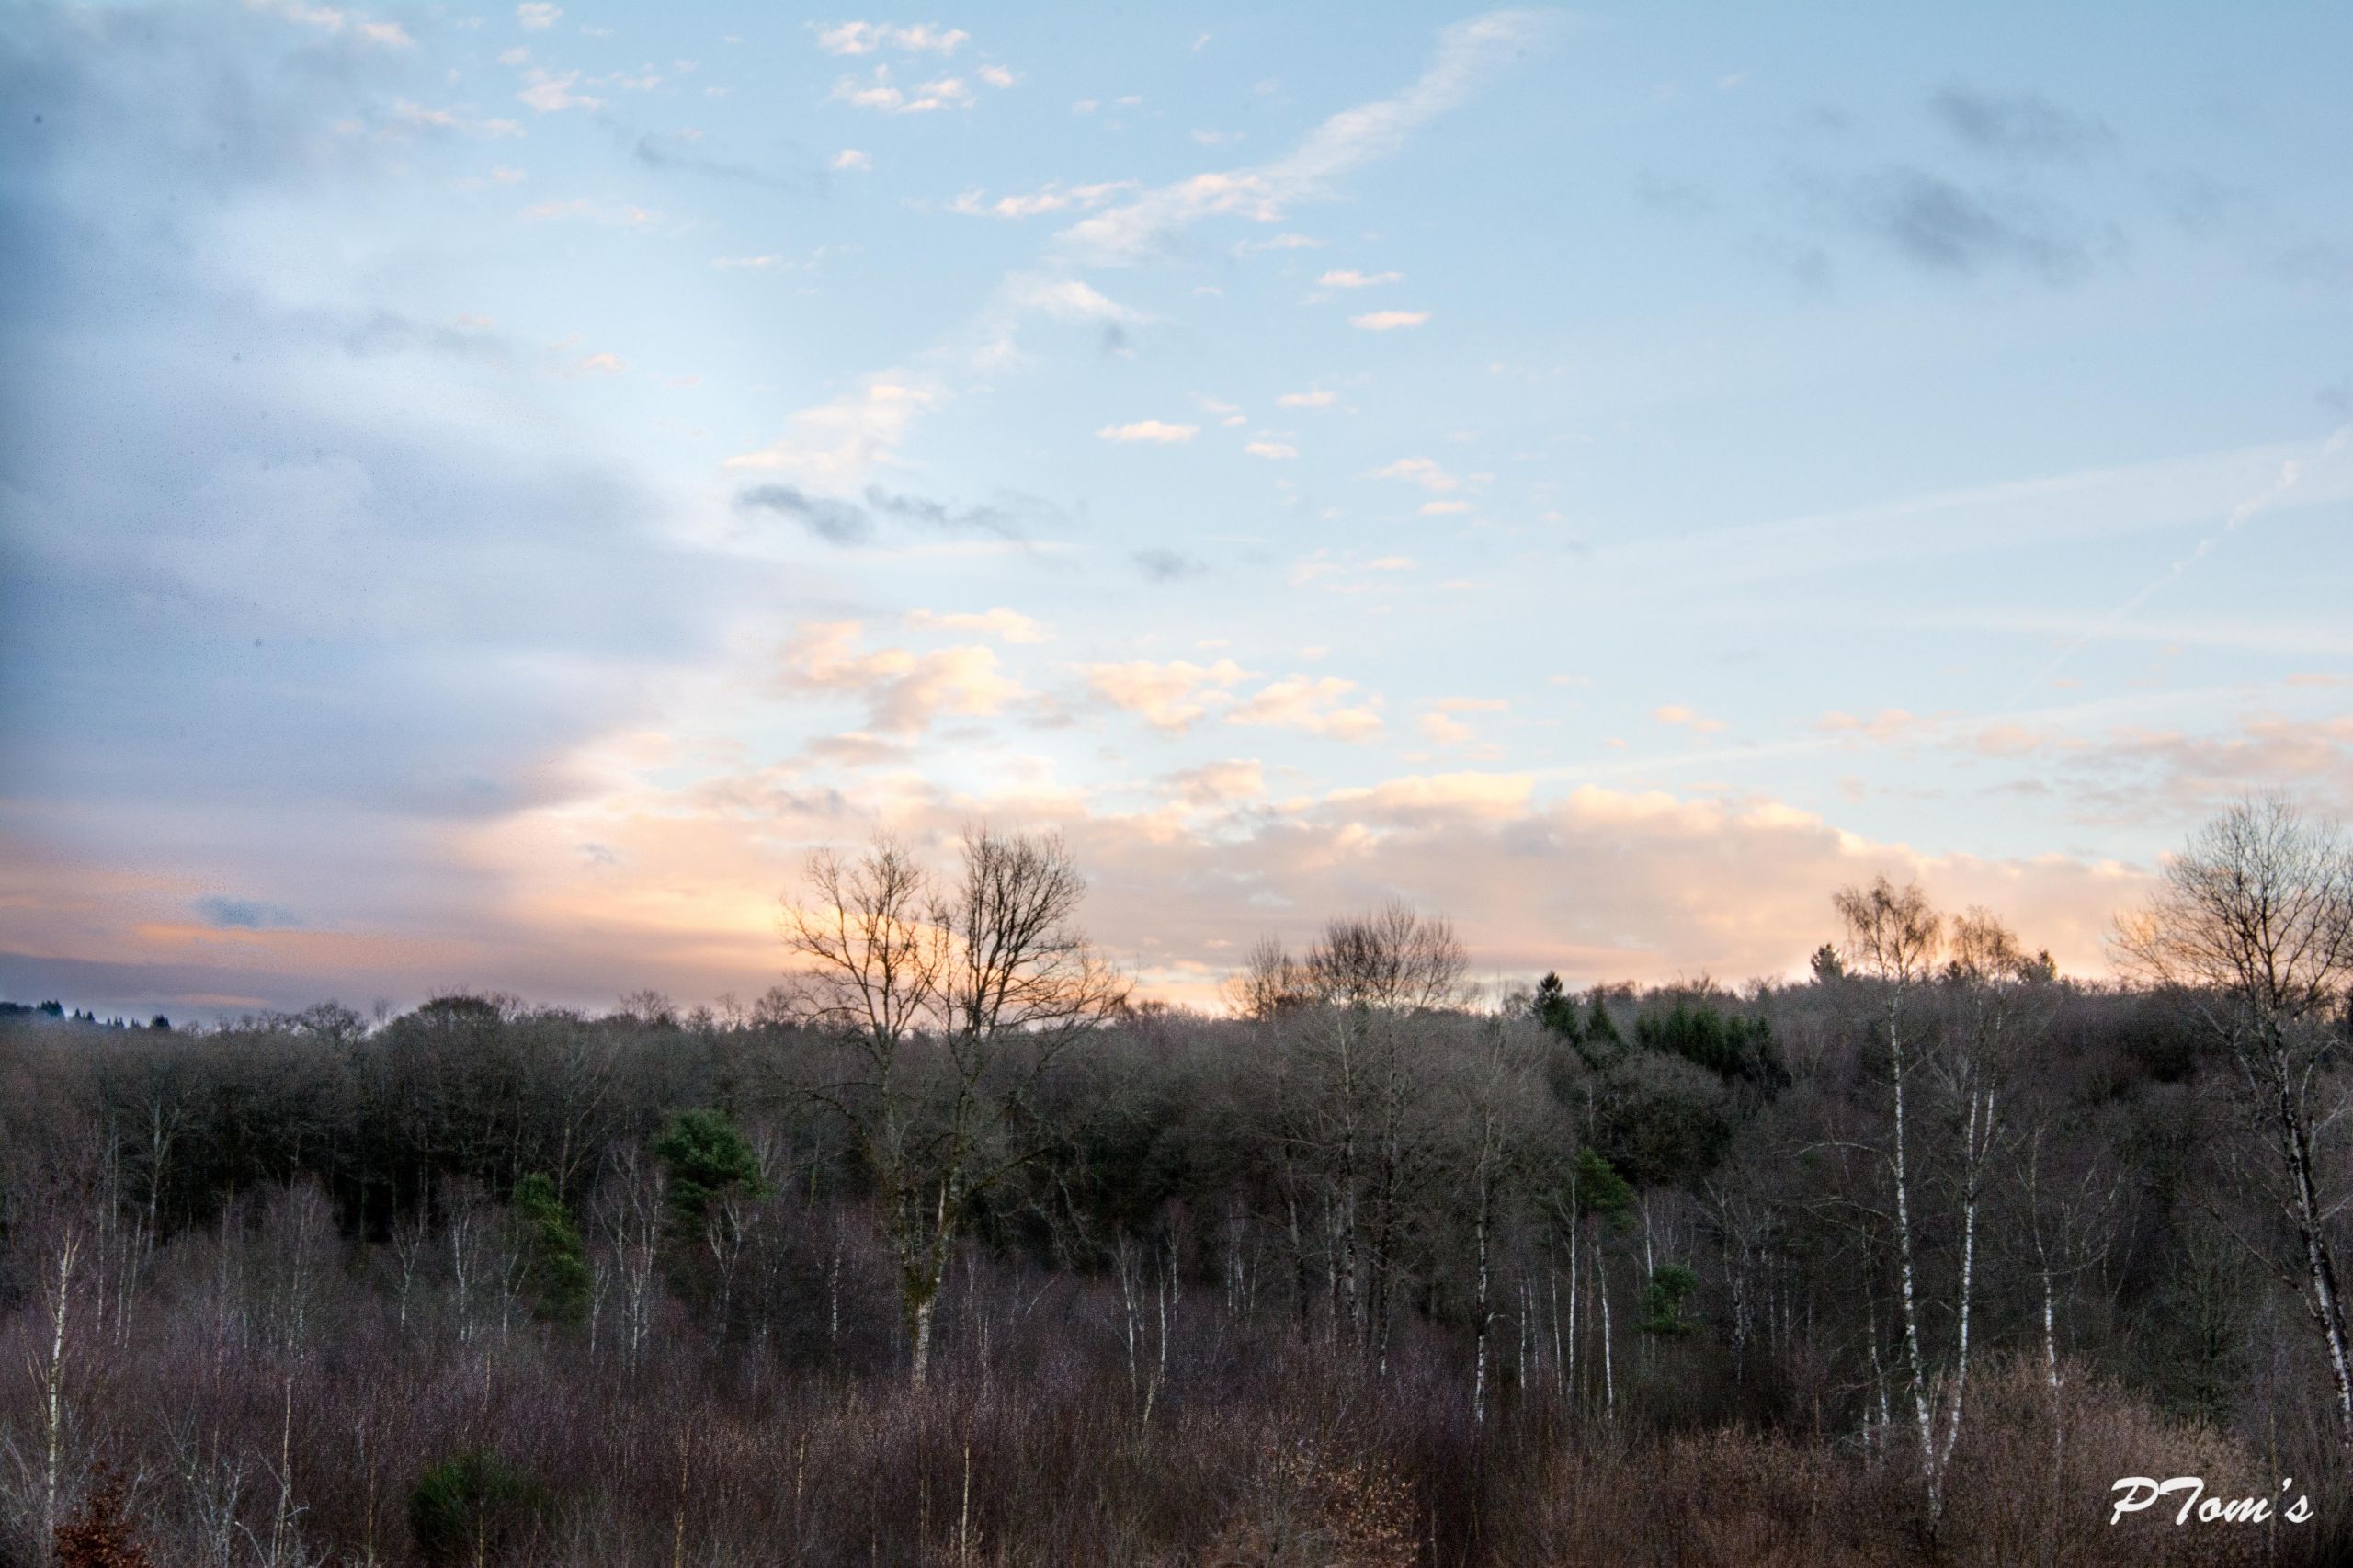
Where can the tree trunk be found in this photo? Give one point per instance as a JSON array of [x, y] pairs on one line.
[[1915, 1364], [2326, 1302]]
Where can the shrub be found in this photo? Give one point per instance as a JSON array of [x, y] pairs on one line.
[[474, 1507], [98, 1536]]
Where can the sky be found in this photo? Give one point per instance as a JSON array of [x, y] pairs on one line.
[[485, 491]]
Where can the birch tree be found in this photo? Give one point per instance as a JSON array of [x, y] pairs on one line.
[[2252, 922], [1893, 937]]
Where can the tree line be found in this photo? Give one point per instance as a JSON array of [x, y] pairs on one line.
[[951, 1249]]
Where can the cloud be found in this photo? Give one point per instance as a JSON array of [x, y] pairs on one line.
[[1319, 706], [2024, 126], [880, 92], [1006, 625], [1051, 198], [1424, 472], [903, 692], [335, 22], [1595, 882], [537, 15], [1276, 450], [1065, 299], [833, 445], [1440, 726], [1281, 242], [847, 522], [1889, 725], [1234, 781], [1676, 713], [419, 116], [1443, 508], [850, 159], [244, 914], [611, 214], [361, 619], [1157, 431], [1388, 321], [551, 93], [1168, 565], [996, 75], [1937, 225], [839, 522], [867, 38], [1172, 696], [678, 152], [1467, 52], [1319, 398], [1349, 278]]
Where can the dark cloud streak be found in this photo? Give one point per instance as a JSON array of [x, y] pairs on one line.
[[2023, 126], [856, 523]]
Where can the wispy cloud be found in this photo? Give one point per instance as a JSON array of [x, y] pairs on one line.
[[2017, 126], [1155, 431], [1046, 199], [903, 692], [834, 445], [1468, 51], [551, 92], [882, 92], [840, 521], [1427, 472], [869, 38]]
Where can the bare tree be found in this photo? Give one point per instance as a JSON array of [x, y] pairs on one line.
[[1893, 937], [1269, 984], [2254, 921], [1393, 960], [1377, 977], [993, 976]]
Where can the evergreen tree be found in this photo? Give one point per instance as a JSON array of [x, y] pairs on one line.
[[1602, 1041], [1671, 1285], [705, 1153], [558, 1264], [1601, 1189], [1555, 1009]]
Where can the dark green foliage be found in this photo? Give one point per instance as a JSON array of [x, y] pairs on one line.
[[474, 1506], [705, 1153], [1735, 1048], [1599, 1188], [1600, 1029], [1671, 1285], [1663, 1120], [1556, 1009], [557, 1263]]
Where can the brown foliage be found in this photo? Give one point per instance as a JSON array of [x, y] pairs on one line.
[[98, 1536], [1304, 1505]]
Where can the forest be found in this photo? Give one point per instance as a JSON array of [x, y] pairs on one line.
[[952, 1250]]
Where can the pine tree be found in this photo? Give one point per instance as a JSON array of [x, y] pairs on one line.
[[558, 1263], [1555, 1009]]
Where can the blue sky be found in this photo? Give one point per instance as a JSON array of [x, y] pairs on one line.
[[486, 489]]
